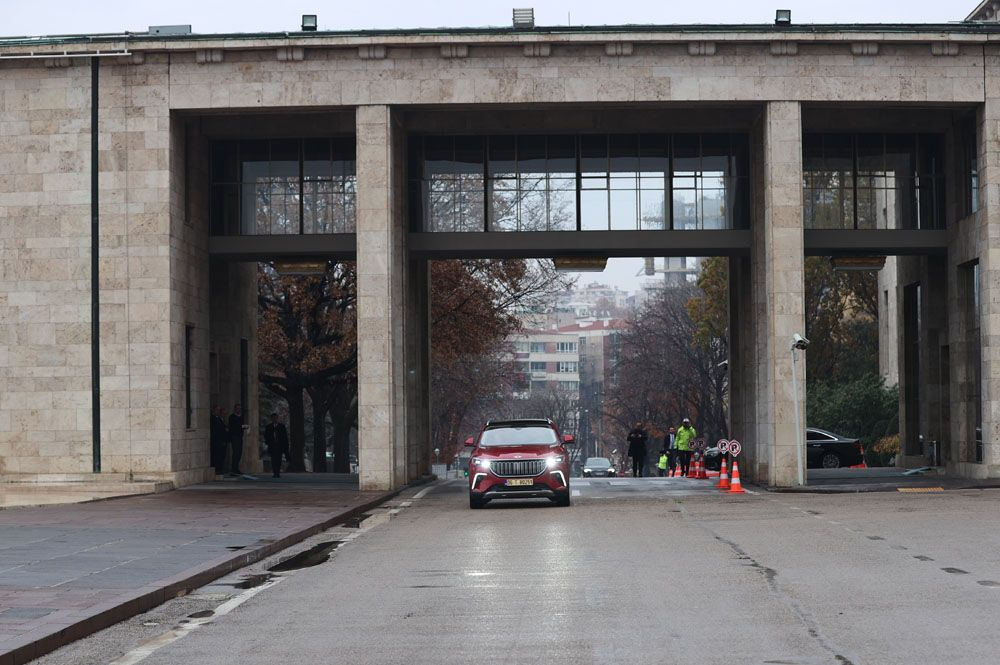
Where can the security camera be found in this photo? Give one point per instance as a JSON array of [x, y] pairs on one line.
[[799, 342]]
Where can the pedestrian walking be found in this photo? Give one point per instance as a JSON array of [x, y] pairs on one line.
[[685, 439], [218, 440], [670, 443], [276, 441], [637, 439], [661, 466], [236, 432]]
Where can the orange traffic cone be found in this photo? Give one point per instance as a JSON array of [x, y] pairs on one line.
[[723, 476], [737, 487], [702, 475]]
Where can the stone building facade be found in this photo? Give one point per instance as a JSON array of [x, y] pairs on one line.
[[175, 299]]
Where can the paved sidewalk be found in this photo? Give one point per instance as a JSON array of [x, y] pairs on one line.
[[67, 571]]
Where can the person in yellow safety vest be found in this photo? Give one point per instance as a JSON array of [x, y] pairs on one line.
[[662, 464], [685, 437]]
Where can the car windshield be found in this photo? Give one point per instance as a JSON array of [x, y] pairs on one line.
[[519, 436], [597, 461]]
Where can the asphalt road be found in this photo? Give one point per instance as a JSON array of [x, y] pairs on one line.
[[635, 571]]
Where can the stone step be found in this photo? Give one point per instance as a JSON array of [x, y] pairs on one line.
[[39, 493]]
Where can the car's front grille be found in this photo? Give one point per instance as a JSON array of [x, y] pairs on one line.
[[515, 468]]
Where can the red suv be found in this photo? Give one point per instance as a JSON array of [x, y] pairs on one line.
[[519, 459]]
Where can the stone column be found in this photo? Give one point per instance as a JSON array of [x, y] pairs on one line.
[[779, 312], [988, 237], [382, 268]]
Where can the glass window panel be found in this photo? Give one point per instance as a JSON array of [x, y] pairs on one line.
[[502, 156], [441, 206], [624, 210], [685, 206], [687, 182], [594, 210], [562, 207], [285, 158], [533, 208], [562, 155], [653, 153], [871, 154], [469, 155], [652, 210], [623, 151], [316, 161], [930, 155], [469, 210], [715, 153], [713, 180], [687, 154], [600, 182], [531, 154], [503, 205], [594, 154], [255, 206], [439, 155], [713, 206]]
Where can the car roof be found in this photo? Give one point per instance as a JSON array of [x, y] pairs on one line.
[[524, 422]]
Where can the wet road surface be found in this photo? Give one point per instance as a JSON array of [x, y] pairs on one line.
[[635, 571]]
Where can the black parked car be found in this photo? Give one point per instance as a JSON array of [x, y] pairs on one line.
[[824, 450], [597, 467]]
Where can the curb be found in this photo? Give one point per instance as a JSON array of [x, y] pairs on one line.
[[98, 617]]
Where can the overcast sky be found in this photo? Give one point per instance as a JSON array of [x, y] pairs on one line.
[[49, 17]]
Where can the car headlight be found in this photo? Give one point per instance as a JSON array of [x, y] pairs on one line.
[[611, 470], [553, 462], [586, 470], [481, 463]]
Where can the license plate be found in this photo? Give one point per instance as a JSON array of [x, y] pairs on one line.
[[519, 482]]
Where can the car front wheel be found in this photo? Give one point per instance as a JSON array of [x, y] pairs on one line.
[[830, 461], [476, 502], [561, 499]]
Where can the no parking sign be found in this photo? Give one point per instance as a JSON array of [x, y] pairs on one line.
[[733, 447]]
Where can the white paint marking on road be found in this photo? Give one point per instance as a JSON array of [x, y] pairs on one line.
[[619, 482], [150, 646], [422, 493], [575, 493]]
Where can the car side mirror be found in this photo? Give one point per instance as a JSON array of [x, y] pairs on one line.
[[569, 439], [469, 442]]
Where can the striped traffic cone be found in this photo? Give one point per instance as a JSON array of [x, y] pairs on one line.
[[737, 487], [702, 474], [723, 477]]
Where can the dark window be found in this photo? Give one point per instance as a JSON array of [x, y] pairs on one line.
[[873, 181], [188, 402], [813, 435], [585, 182], [286, 186]]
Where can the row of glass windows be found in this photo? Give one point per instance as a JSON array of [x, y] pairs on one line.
[[562, 367], [585, 182], [539, 347], [873, 181], [283, 186], [578, 182]]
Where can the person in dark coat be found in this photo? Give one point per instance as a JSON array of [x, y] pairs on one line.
[[637, 439], [236, 431], [218, 440], [276, 442]]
